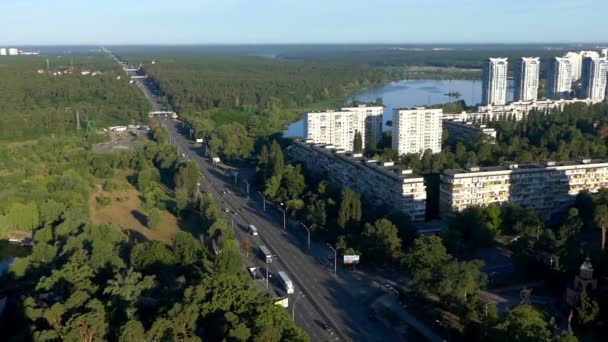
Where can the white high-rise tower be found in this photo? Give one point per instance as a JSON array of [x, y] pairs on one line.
[[494, 82], [593, 80], [560, 78], [526, 79]]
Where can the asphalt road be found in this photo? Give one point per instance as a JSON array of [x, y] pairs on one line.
[[342, 301]]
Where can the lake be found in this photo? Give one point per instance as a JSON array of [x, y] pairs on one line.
[[410, 93], [8, 252]]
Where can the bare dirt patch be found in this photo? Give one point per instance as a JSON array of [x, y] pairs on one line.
[[125, 211]]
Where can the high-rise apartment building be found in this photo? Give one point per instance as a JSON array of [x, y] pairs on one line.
[[526, 79], [2, 51], [593, 80], [13, 52], [560, 78], [494, 82], [373, 117], [544, 187], [417, 130], [576, 61], [339, 127]]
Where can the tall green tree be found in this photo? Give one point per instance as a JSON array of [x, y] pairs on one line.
[[350, 211], [522, 324], [381, 240], [358, 143], [600, 217], [588, 310]]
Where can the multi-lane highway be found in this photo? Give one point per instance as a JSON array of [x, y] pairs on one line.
[[331, 307]]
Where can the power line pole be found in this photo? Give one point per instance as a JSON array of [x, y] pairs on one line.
[[77, 120]]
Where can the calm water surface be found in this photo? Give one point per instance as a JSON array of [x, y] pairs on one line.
[[410, 93]]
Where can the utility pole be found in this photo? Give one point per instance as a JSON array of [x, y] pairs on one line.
[[266, 275]]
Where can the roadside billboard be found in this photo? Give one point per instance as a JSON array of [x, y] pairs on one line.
[[282, 302], [351, 259]]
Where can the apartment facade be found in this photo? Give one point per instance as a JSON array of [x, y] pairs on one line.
[[561, 74], [3, 52], [527, 78], [467, 131], [544, 187], [494, 82], [373, 117], [338, 127], [593, 80], [416, 130], [380, 184], [13, 52]]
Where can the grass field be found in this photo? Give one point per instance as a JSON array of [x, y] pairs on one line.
[[127, 212]]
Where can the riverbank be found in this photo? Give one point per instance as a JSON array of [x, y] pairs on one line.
[[440, 73]]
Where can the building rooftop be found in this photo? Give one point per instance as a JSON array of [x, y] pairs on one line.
[[417, 108], [524, 167], [387, 169]]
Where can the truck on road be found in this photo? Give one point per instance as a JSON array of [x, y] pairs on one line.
[[266, 254], [286, 282]]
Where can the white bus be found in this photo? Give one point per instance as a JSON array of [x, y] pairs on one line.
[[286, 282], [253, 230], [266, 254]]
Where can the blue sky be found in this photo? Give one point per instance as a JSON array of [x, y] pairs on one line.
[[33, 22]]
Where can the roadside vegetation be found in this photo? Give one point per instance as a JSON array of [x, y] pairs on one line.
[[91, 280]]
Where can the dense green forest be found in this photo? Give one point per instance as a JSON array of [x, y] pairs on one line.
[[262, 94], [34, 103], [395, 56], [103, 282]]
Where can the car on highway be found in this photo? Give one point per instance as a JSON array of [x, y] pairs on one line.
[[227, 210], [327, 328]]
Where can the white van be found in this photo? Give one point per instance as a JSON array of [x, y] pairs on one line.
[[253, 230]]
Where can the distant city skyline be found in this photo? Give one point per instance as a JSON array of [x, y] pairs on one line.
[[73, 22]]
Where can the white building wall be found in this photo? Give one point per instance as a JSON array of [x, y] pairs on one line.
[[541, 187], [3, 52], [595, 72], [526, 87], [561, 76], [338, 128], [417, 130], [494, 82], [13, 52]]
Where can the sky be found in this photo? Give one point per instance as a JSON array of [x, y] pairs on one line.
[[95, 22]]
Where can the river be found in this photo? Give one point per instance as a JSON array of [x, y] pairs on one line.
[[410, 93]]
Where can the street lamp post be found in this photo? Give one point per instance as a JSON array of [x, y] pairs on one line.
[[247, 184], [284, 218], [335, 259], [266, 275], [263, 200], [293, 307], [307, 231], [232, 219]]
